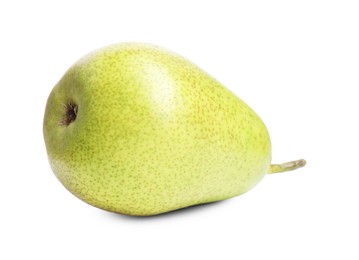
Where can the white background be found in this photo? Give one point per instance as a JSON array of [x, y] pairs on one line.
[[296, 63]]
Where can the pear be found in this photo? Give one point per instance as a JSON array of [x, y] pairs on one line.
[[135, 129]]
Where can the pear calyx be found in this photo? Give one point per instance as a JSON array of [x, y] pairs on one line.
[[70, 114]]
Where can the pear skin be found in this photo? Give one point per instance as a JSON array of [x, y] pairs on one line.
[[135, 129]]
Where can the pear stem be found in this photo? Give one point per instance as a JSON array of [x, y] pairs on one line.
[[288, 166]]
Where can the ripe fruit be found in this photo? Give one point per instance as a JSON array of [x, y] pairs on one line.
[[135, 129]]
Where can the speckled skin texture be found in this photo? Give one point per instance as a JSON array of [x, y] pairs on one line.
[[153, 133]]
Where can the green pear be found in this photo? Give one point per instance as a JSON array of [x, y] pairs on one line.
[[136, 129]]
